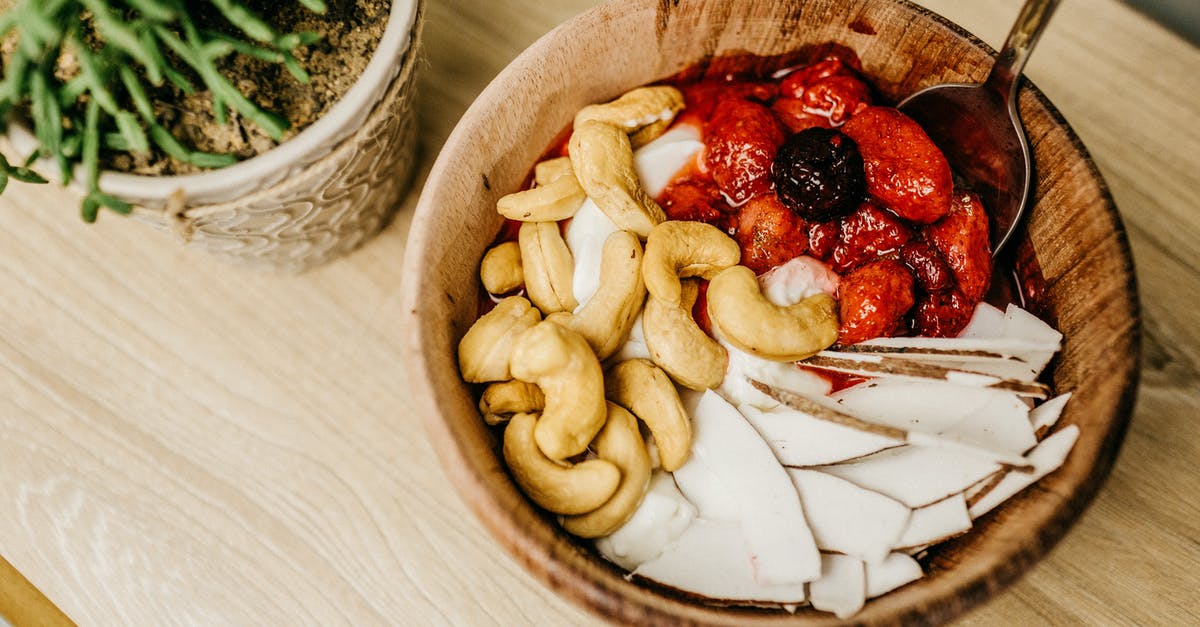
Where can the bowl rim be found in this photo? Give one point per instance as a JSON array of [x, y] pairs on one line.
[[601, 600]]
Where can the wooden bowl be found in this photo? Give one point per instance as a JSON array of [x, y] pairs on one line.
[[1074, 233]]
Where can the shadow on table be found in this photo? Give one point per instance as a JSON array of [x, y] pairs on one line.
[[1181, 16]]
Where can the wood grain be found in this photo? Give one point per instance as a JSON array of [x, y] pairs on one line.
[[184, 442]]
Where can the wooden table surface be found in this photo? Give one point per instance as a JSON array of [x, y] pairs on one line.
[[186, 442]]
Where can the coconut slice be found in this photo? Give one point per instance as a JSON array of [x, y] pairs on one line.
[[986, 321], [918, 552], [1044, 416], [662, 517], [699, 483], [743, 366], [712, 559], [895, 571], [983, 417], [986, 350], [736, 467], [868, 365], [848, 519], [701, 486], [1013, 344], [1046, 457], [1019, 323], [982, 356], [842, 588], [819, 410], [936, 522], [799, 439], [935, 348], [916, 475], [978, 360], [1016, 323], [977, 491]]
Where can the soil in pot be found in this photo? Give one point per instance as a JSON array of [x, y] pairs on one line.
[[350, 31]]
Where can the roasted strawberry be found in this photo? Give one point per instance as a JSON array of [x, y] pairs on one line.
[[823, 237], [927, 265], [702, 97], [872, 301], [796, 82], [943, 314], [695, 199], [867, 233], [905, 171], [769, 233], [962, 239], [792, 113], [837, 97], [740, 145]]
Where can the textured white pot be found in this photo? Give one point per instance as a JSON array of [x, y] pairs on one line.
[[314, 197]]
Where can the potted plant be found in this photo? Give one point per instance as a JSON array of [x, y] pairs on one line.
[[276, 134]]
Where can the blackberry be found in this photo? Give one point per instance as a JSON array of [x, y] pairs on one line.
[[819, 174]]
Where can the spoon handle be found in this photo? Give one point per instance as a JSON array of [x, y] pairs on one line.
[[1032, 20]]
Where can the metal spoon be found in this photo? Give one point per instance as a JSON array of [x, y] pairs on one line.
[[979, 131]]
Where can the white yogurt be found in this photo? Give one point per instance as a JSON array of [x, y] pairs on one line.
[[663, 515], [792, 282], [585, 238], [659, 161]]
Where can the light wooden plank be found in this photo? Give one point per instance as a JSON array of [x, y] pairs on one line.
[[181, 441]]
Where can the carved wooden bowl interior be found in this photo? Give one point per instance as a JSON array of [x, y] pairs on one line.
[[1073, 232]]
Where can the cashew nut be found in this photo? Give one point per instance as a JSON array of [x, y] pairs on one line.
[[560, 488], [648, 133], [621, 443], [548, 267], [680, 347], [602, 158], [483, 353], [500, 271], [678, 249], [546, 172], [557, 199], [607, 317], [746, 319], [636, 110], [562, 364], [501, 400], [644, 389]]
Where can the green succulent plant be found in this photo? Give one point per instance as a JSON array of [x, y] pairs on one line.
[[81, 70]]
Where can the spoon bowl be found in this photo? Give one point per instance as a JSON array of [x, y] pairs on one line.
[[978, 129]]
